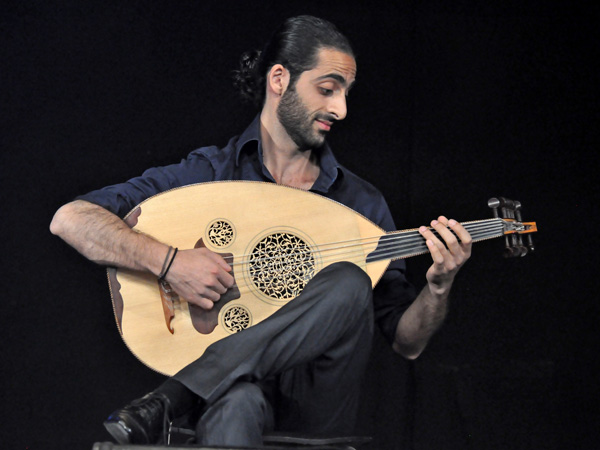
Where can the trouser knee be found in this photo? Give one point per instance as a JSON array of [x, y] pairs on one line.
[[353, 285]]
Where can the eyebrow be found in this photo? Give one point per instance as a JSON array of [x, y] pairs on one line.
[[337, 77]]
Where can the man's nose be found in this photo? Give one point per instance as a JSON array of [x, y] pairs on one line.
[[338, 107]]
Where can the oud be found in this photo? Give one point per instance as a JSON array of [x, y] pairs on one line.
[[276, 238]]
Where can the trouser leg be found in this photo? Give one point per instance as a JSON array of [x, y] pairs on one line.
[[330, 306], [322, 396], [237, 419], [317, 398]]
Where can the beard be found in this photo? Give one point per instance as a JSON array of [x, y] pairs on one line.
[[297, 121]]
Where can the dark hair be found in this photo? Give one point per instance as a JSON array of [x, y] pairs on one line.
[[295, 45]]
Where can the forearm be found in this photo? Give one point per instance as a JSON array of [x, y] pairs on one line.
[[104, 238], [420, 322], [427, 313]]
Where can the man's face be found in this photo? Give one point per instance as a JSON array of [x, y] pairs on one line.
[[308, 109]]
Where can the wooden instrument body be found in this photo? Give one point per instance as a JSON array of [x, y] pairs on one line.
[[252, 214]]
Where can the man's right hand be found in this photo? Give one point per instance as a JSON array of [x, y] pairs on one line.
[[200, 276]]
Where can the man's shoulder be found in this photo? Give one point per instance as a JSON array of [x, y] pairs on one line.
[[363, 197], [223, 160], [229, 152], [361, 185], [214, 152]]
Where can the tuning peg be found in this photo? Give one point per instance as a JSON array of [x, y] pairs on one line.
[[494, 203], [510, 209]]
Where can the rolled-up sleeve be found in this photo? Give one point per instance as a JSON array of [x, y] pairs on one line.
[[121, 198], [391, 298], [394, 293]]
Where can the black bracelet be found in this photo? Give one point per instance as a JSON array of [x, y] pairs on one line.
[[164, 266], [162, 277]]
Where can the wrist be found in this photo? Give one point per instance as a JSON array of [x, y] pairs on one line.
[[169, 258], [439, 291], [153, 256]]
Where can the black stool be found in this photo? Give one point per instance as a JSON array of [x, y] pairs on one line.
[[276, 441], [271, 442]]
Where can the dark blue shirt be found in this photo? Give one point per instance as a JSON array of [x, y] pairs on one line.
[[242, 159]]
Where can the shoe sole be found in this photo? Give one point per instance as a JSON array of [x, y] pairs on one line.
[[118, 432]]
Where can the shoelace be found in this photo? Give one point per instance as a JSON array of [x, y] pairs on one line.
[[167, 422]]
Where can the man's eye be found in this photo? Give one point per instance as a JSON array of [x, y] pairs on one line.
[[325, 91]]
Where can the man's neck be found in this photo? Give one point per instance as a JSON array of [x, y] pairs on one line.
[[285, 161]]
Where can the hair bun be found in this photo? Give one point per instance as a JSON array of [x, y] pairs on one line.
[[247, 79]]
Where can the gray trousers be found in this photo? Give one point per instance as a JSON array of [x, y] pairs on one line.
[[298, 370]]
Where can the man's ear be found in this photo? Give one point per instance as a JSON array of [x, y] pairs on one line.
[[278, 80]]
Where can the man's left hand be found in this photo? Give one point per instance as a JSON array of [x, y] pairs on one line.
[[449, 251]]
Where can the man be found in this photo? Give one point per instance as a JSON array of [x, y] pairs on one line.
[[298, 369]]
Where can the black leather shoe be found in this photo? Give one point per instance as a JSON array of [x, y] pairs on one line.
[[144, 421]]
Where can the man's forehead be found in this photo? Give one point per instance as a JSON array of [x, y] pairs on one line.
[[333, 62]]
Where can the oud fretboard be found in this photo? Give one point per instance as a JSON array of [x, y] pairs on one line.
[[404, 244]]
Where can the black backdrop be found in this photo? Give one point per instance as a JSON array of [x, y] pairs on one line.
[[454, 104]]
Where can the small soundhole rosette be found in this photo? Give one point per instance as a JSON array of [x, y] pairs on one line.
[[220, 233], [236, 318]]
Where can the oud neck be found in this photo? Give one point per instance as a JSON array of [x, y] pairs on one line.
[[407, 243]]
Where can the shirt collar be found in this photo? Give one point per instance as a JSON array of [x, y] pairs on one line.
[[330, 168], [251, 134]]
